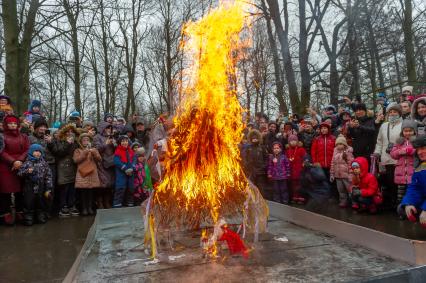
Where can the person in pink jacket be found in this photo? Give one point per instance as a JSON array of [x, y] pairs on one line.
[[340, 168], [403, 151]]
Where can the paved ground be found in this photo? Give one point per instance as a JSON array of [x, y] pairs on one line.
[[116, 255], [41, 253]]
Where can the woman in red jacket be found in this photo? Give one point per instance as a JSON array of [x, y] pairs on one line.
[[15, 151], [365, 189], [323, 147]]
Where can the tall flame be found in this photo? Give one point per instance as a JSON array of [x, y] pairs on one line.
[[203, 173]]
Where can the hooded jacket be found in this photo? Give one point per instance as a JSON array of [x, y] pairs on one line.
[[403, 152], [86, 157], [323, 147], [416, 191], [255, 156], [421, 121], [383, 141], [340, 166], [368, 183], [15, 149], [106, 166]]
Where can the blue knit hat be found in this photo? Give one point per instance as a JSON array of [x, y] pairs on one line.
[[75, 114], [35, 147], [34, 103]]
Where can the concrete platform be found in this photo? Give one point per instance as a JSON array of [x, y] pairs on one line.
[[113, 253]]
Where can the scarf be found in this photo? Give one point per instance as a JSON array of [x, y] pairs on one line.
[[125, 153]]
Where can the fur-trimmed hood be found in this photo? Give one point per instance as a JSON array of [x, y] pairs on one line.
[[414, 114], [254, 134], [62, 131]]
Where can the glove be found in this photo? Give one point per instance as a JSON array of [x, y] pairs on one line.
[[356, 192], [411, 212], [129, 171], [423, 219]]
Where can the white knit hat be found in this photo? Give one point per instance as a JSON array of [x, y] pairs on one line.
[[408, 87]]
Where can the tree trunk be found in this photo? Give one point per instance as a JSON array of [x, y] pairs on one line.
[[106, 60], [355, 90], [18, 53], [305, 90], [274, 11], [279, 83], [407, 27]]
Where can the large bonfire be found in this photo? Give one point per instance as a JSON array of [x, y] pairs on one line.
[[204, 182]]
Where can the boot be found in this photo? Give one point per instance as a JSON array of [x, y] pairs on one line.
[[29, 218], [9, 219], [99, 200], [90, 202], [41, 217], [83, 195]]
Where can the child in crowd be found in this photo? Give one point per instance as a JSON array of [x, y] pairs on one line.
[[124, 169], [403, 151], [37, 185], [87, 179], [135, 146], [365, 189], [340, 167], [5, 105], [413, 205], [142, 182], [295, 154], [323, 148], [279, 172]]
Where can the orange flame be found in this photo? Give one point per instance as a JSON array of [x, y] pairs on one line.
[[203, 170]]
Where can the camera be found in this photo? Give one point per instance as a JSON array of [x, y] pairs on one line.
[[389, 148]]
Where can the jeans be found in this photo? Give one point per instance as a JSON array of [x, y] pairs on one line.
[[67, 195]]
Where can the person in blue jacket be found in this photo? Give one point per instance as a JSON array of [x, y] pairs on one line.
[[124, 162], [413, 205]]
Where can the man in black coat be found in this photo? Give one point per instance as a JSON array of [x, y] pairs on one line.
[[362, 132]]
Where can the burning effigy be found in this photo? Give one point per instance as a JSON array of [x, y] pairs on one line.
[[203, 187]]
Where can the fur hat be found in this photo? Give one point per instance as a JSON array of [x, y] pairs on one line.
[[408, 123], [88, 123], [407, 88], [254, 134], [140, 152], [108, 115], [360, 106], [40, 122], [84, 135], [65, 128], [341, 140], [394, 106]]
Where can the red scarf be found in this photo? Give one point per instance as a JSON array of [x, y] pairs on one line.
[[123, 152]]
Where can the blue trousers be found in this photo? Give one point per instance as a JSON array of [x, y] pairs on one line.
[[280, 191]]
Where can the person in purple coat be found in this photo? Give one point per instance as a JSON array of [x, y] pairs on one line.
[[278, 173]]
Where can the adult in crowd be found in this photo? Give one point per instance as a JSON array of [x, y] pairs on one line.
[[45, 139], [361, 131], [105, 143], [63, 149], [75, 119], [388, 135], [271, 136], [109, 118], [418, 114], [406, 109], [141, 133], [406, 94], [307, 133], [15, 150]]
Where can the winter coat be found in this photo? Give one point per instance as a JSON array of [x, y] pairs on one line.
[[63, 152], [255, 160], [269, 139], [307, 139], [383, 141], [368, 183], [314, 183], [295, 155], [421, 121], [340, 166], [123, 160], [363, 137], [416, 191], [40, 180], [15, 148], [106, 166], [80, 157], [403, 152], [279, 170], [322, 150], [47, 154]]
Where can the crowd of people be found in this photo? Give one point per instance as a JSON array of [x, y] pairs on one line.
[[71, 168], [368, 160]]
